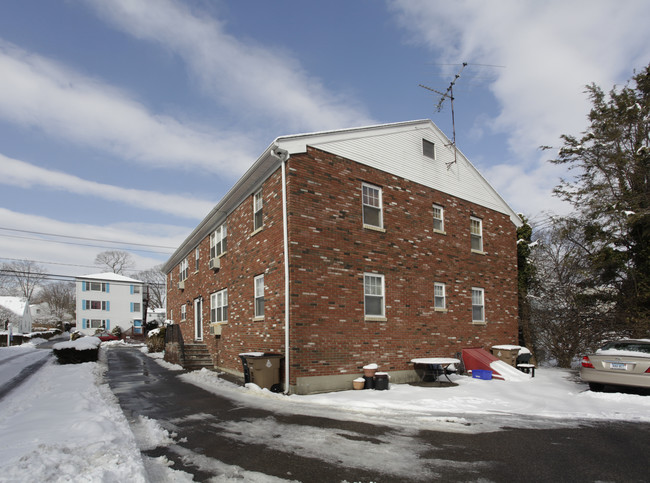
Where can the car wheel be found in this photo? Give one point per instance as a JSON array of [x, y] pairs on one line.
[[596, 387]]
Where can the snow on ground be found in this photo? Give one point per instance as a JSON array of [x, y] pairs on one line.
[[65, 424], [554, 396]]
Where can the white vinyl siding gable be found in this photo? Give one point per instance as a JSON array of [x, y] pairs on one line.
[[398, 150]]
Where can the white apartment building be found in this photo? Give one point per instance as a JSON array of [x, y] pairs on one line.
[[108, 300]]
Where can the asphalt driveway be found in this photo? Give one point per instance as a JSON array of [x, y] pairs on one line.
[[219, 437]]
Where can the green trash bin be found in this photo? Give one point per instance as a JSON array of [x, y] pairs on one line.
[[263, 369]]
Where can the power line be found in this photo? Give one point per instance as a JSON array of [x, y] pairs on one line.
[[133, 270], [88, 239], [67, 278], [86, 244]]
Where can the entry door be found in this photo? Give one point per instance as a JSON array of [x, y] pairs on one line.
[[198, 320]]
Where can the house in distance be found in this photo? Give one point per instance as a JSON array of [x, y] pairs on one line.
[[342, 248], [107, 300]]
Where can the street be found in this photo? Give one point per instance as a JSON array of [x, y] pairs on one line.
[[216, 435]]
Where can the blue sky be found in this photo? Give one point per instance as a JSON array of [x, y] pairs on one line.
[[127, 120]]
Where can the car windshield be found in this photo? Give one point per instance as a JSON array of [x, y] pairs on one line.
[[631, 346]]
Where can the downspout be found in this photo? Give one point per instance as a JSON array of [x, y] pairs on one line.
[[283, 156]]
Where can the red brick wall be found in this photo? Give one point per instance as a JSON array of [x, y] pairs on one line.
[[248, 254], [329, 253]]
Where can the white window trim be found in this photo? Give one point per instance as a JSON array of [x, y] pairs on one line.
[[258, 195], [257, 296], [379, 227], [215, 298], [381, 316], [183, 270], [197, 258], [480, 224], [483, 321], [444, 297], [183, 312], [218, 241], [442, 219]]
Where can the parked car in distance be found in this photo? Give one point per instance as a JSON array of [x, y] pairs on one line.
[[618, 363], [106, 336]]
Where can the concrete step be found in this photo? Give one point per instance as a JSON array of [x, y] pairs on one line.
[[197, 356]]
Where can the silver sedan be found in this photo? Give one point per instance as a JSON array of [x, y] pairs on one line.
[[618, 363]]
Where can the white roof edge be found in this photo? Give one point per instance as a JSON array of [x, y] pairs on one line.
[[109, 277]]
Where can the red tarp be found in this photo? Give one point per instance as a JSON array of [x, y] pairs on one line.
[[477, 358]]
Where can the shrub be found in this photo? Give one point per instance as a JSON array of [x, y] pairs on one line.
[[83, 349], [117, 331], [156, 340]]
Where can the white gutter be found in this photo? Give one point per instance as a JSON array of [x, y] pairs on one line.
[[283, 156]]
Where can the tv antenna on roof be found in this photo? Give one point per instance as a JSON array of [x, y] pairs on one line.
[[449, 94]]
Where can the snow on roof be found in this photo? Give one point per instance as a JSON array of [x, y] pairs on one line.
[[110, 277], [13, 304]]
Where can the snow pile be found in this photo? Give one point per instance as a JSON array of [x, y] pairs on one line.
[[63, 424], [83, 343]]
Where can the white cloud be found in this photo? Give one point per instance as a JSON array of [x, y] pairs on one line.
[[38, 93], [19, 173], [551, 50], [246, 77]]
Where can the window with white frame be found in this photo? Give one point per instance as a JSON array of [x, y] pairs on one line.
[[258, 216], [183, 312], [96, 286], [219, 306], [478, 305], [373, 295], [95, 305], [136, 307], [218, 241], [439, 300], [259, 296], [136, 289], [428, 149], [97, 324], [476, 233], [197, 256], [183, 269], [438, 218], [372, 206]]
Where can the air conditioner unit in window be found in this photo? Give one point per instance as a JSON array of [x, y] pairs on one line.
[[215, 328], [214, 263], [181, 285]]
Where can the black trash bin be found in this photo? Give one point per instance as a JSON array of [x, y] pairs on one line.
[[381, 381], [263, 369]]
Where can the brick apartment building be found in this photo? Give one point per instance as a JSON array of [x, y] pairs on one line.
[[343, 248]]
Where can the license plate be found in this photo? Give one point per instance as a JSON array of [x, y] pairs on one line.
[[618, 365]]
